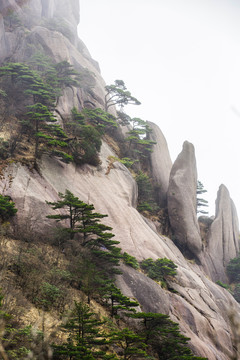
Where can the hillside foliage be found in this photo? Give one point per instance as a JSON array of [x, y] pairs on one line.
[[68, 276], [91, 261]]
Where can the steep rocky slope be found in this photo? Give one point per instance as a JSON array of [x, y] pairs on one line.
[[202, 308]]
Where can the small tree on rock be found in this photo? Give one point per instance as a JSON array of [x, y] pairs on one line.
[[7, 208], [233, 269], [131, 344], [159, 269], [85, 337], [118, 301], [164, 337], [201, 202], [94, 235], [118, 94]]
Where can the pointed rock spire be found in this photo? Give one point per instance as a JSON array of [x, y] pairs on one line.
[[223, 239], [182, 202], [161, 163]]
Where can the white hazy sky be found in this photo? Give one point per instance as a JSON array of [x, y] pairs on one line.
[[181, 59]]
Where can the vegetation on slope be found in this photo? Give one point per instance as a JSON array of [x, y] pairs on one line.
[[84, 268], [72, 273]]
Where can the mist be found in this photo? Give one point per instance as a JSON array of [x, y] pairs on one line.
[[181, 60]]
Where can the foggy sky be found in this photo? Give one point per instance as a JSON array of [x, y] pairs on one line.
[[181, 59]]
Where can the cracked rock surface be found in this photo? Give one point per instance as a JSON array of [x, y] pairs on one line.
[[202, 308]]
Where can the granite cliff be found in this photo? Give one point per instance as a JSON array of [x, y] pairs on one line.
[[201, 252]]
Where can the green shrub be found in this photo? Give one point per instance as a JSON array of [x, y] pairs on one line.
[[4, 149], [126, 161], [144, 206], [160, 269], [64, 156], [233, 269], [87, 142], [7, 208], [236, 293], [12, 20], [146, 201], [130, 260], [49, 294], [225, 286]]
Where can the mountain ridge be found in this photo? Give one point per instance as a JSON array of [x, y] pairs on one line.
[[201, 307]]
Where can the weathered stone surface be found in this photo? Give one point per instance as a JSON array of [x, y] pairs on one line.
[[146, 291], [114, 194], [32, 11], [223, 238], [161, 163], [201, 316], [182, 201], [2, 37], [200, 306], [16, 44], [7, 5], [59, 49]]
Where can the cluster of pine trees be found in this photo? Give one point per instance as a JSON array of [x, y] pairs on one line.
[[85, 334], [37, 86], [30, 94]]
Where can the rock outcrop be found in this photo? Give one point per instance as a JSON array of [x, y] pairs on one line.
[[2, 37], [58, 48], [182, 202], [222, 243], [161, 163], [201, 307]]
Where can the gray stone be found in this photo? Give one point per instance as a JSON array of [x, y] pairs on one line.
[[146, 291], [161, 163], [2, 38], [182, 201], [222, 243], [7, 5], [199, 306]]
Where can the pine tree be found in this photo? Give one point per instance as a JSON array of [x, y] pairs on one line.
[[94, 235], [7, 209], [164, 337], [92, 280], [159, 269], [27, 81], [130, 260], [146, 201], [201, 202], [233, 269], [138, 139], [118, 301], [80, 215], [38, 123], [102, 120], [87, 142], [85, 337], [118, 94], [131, 344]]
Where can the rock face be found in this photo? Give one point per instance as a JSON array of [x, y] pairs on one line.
[[16, 46], [223, 237], [182, 201], [114, 194], [199, 305], [2, 37], [161, 163]]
